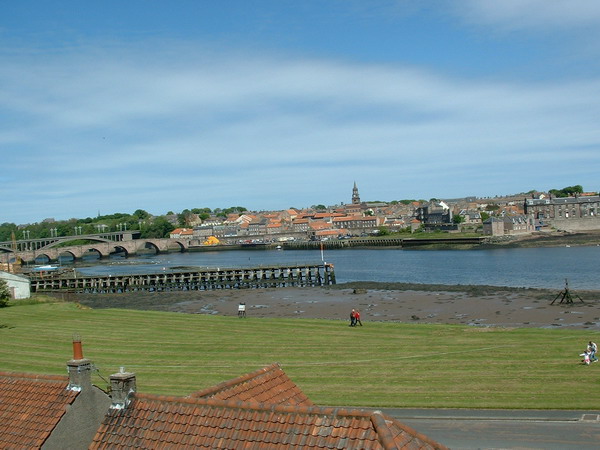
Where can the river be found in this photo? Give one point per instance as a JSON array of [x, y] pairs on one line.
[[515, 267]]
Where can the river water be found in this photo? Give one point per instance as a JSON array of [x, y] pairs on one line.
[[515, 267]]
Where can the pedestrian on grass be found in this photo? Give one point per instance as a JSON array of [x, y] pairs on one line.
[[242, 310], [352, 318], [357, 318], [592, 348]]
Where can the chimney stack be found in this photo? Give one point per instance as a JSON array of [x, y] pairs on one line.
[[79, 368], [122, 385]]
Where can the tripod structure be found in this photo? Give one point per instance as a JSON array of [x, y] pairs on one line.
[[565, 295]]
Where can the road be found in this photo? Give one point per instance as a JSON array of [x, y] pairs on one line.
[[505, 429]]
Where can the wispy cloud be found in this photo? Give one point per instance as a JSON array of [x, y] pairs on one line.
[[136, 128], [532, 14]]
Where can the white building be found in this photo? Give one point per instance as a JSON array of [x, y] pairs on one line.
[[18, 285]]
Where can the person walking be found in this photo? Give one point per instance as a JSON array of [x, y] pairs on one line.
[[352, 318], [357, 318]]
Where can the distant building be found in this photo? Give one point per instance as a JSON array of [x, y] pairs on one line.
[[509, 225], [182, 233], [355, 195], [18, 285], [434, 213], [566, 213]]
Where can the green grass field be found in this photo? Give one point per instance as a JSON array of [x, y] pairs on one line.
[[380, 364]]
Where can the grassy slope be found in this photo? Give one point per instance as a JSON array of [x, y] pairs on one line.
[[380, 364]]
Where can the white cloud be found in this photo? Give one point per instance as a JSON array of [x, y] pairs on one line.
[[132, 131]]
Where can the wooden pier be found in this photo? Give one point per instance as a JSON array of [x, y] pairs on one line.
[[300, 275]]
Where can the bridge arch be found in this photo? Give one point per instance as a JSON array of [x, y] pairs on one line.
[[176, 245], [76, 241], [42, 258], [65, 253], [151, 246], [94, 250], [120, 249]]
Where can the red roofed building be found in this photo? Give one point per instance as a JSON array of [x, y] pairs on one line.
[[263, 409], [182, 233]]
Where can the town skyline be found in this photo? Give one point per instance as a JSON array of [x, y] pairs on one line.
[[124, 105], [354, 196]]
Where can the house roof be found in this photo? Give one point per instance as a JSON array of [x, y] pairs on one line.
[[181, 231], [150, 420], [329, 232], [263, 409], [32, 406], [319, 225], [267, 385]]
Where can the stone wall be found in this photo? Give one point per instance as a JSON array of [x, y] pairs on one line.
[[579, 224]]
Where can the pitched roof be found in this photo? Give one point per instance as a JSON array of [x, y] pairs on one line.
[[319, 225], [150, 420], [32, 406], [267, 385]]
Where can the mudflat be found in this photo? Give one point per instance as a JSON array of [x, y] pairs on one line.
[[463, 305]]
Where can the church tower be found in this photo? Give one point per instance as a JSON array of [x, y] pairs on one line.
[[355, 196]]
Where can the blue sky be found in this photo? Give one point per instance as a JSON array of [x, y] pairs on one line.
[[115, 106]]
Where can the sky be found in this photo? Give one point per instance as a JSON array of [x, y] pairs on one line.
[[115, 106]]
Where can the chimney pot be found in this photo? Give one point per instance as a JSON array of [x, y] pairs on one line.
[[77, 347], [79, 368]]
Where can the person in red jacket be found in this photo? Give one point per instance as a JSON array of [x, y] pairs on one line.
[[357, 318]]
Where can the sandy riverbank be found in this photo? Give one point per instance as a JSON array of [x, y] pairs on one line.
[[469, 305]]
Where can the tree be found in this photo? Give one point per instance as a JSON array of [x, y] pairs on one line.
[[484, 216], [568, 191], [141, 214], [184, 218], [201, 211], [4, 294], [457, 218], [383, 231], [159, 228]]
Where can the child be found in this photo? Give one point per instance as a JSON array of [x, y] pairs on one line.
[[586, 358], [592, 348]]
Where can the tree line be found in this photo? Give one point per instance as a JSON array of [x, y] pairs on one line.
[[140, 221]]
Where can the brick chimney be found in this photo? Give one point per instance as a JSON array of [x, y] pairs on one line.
[[122, 385], [79, 368]]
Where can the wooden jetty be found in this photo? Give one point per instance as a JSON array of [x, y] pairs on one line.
[[301, 275]]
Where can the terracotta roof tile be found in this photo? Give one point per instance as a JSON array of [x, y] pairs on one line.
[[268, 385], [263, 409], [212, 423], [31, 407]]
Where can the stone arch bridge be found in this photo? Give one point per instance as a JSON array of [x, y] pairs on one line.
[[104, 246]]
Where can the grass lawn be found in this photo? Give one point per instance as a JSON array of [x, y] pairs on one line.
[[380, 364]]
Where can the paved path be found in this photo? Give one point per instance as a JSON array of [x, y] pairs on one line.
[[505, 429]]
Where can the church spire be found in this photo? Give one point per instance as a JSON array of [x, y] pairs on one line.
[[355, 196]]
